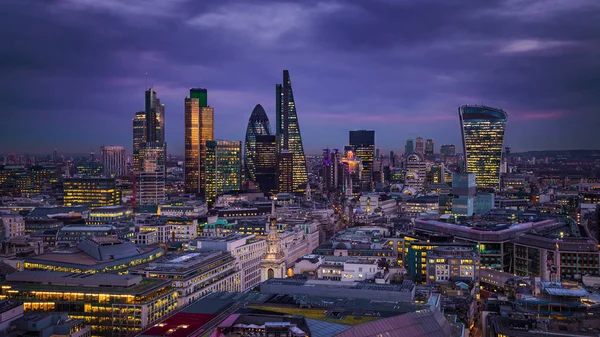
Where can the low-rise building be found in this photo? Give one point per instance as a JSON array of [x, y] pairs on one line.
[[109, 214], [12, 225], [113, 305], [95, 255], [49, 324], [170, 229], [452, 263], [247, 251], [194, 274]]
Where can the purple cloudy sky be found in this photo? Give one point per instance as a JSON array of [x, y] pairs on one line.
[[72, 71]]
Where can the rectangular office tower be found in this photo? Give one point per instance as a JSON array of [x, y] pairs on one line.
[[463, 193], [483, 135], [363, 142], [198, 129], [114, 160], [265, 163], [223, 167], [139, 137]]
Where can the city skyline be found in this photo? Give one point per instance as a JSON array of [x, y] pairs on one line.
[[539, 64]]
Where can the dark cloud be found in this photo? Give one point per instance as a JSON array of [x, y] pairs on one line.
[[73, 71]]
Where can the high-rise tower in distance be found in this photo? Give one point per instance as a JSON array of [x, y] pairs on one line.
[[483, 135], [198, 129], [113, 159], [429, 147], [409, 147], [420, 146], [289, 138], [154, 127], [139, 137], [258, 125], [266, 163], [363, 143]]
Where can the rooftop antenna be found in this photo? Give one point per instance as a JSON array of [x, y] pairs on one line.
[[146, 81]]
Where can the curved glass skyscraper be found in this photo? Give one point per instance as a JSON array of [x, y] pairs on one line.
[[483, 135], [289, 138], [258, 125]]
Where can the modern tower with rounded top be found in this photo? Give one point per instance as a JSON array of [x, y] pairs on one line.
[[483, 135], [258, 125]]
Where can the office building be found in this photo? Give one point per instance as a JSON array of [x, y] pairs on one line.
[[93, 192], [112, 305], [416, 171], [199, 128], [429, 147], [285, 171], [223, 167], [258, 125], [170, 228], [155, 127], [194, 274], [452, 263], [139, 137], [89, 169], [448, 152], [420, 146], [463, 190], [409, 147], [12, 224], [47, 324], [363, 143], [247, 251], [483, 136], [333, 170], [289, 138], [265, 163], [150, 181], [42, 178], [114, 160], [93, 255]]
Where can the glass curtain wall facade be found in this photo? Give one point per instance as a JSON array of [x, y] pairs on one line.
[[223, 167], [192, 145], [258, 125], [363, 143], [483, 134], [139, 137], [288, 134]]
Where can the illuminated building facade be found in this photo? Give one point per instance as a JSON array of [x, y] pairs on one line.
[[452, 263], [89, 169], [288, 134], [199, 128], [139, 137], [223, 167], [114, 160], [416, 171], [105, 254], [448, 152], [150, 182], [265, 163], [170, 228], [94, 192], [258, 125], [363, 143], [285, 169], [353, 168], [155, 126], [416, 257], [483, 134], [195, 274], [42, 178], [112, 305]]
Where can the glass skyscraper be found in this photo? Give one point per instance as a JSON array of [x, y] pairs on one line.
[[198, 129], [149, 131], [363, 143], [139, 137], [258, 125], [265, 163], [223, 167], [483, 135], [288, 136]]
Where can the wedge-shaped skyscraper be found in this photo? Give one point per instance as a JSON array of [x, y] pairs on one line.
[[258, 125], [483, 135], [288, 136]]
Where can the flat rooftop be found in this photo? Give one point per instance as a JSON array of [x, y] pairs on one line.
[[404, 287], [185, 262], [143, 287]]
